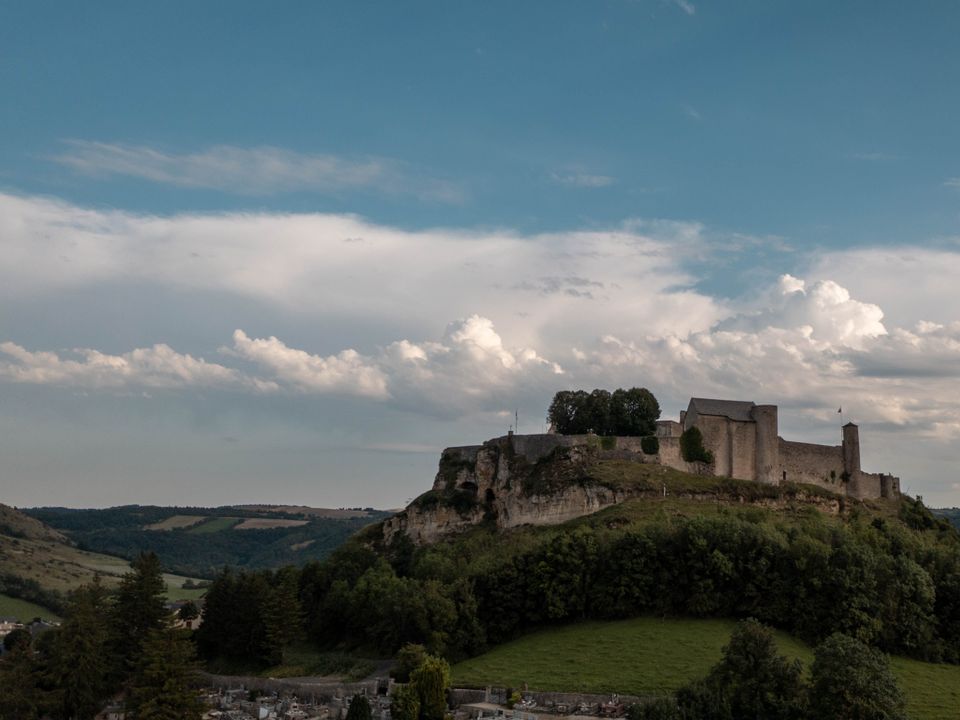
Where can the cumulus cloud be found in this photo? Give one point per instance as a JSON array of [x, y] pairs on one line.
[[253, 171], [347, 372], [155, 367]]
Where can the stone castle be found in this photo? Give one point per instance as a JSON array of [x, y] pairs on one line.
[[745, 444], [744, 441], [495, 478]]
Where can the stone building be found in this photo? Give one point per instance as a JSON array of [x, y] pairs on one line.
[[744, 441]]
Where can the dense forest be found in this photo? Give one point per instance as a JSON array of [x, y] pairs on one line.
[[892, 582], [201, 550]]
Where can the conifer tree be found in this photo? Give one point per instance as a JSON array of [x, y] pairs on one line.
[[21, 697], [359, 708], [139, 608], [79, 665], [164, 685], [431, 681], [404, 703], [283, 617]]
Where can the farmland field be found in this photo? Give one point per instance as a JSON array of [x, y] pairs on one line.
[[24, 611], [646, 656]]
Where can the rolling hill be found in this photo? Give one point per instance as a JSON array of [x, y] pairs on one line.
[[199, 541]]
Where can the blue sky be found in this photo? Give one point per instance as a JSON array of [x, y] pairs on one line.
[[529, 195]]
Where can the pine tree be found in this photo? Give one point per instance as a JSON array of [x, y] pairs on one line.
[[21, 697], [283, 616], [164, 684], [79, 666], [139, 609]]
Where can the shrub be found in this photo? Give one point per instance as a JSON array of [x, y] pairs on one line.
[[650, 444], [691, 446]]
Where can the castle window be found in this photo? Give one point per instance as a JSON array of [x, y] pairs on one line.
[[784, 475]]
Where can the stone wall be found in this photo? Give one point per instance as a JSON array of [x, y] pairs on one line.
[[814, 464], [743, 449]]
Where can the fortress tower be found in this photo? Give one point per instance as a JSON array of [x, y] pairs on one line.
[[851, 450]]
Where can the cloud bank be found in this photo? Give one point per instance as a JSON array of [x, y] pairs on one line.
[[464, 325]]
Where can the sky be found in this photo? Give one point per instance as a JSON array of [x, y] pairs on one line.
[[287, 252]]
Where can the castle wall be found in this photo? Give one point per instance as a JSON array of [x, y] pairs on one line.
[[814, 464], [716, 439], [743, 450], [536, 447]]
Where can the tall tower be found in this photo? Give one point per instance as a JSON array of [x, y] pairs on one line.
[[851, 449]]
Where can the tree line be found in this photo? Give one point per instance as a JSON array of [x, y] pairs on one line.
[[872, 579], [110, 643]]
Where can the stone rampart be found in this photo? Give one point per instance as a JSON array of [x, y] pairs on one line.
[[814, 464]]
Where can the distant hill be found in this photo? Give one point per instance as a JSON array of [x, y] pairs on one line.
[[951, 514], [41, 565], [198, 541], [17, 524]]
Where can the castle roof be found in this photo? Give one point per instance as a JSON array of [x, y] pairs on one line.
[[739, 410]]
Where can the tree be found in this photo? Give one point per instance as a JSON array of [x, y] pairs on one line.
[[164, 684], [282, 614], [79, 661], [139, 608], [756, 681], [189, 611], [431, 681], [14, 638], [691, 446], [405, 703], [359, 708], [21, 697], [409, 658], [851, 681], [632, 412]]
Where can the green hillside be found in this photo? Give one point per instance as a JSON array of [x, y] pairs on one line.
[[646, 656], [24, 611], [199, 541]]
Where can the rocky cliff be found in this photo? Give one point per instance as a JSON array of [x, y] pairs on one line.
[[550, 479]]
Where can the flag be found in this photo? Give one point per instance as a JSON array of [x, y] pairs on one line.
[[840, 410]]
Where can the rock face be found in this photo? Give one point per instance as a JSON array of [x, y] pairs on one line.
[[508, 481], [547, 480]]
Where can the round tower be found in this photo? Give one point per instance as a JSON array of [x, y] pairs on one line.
[[851, 449]]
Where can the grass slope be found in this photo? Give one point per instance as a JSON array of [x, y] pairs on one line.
[[24, 611], [59, 567], [645, 656]]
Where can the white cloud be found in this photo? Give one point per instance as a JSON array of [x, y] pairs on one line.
[[582, 180], [348, 372], [253, 171], [628, 279], [688, 7], [953, 182], [154, 367]]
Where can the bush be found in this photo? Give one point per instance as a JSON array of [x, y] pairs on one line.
[[852, 680], [650, 444], [691, 446]]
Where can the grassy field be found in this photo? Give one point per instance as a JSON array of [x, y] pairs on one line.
[[647, 656], [24, 611], [213, 525], [176, 522]]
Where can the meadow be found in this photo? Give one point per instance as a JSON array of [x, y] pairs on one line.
[[649, 656]]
